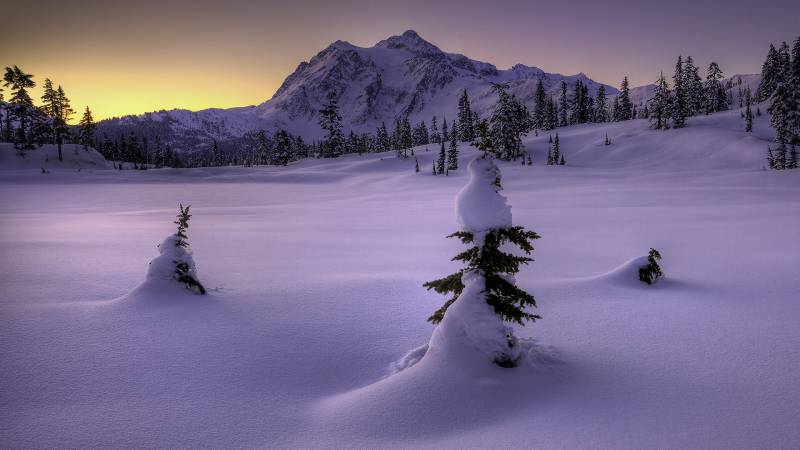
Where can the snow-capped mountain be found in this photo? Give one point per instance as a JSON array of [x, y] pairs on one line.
[[400, 76]]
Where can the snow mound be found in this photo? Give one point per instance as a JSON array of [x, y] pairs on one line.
[[479, 205], [46, 157], [161, 281], [626, 274], [471, 330]]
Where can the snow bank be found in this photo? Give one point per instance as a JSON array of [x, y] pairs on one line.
[[46, 157]]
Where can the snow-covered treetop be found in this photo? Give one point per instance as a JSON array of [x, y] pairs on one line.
[[479, 206]]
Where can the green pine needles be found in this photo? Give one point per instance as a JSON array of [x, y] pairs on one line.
[[651, 273], [497, 267], [183, 271]]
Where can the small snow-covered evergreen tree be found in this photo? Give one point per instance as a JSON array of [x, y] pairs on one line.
[[86, 129], [651, 272], [464, 127], [452, 153], [175, 261], [680, 104], [563, 107], [440, 162], [625, 106], [483, 293], [331, 122], [748, 112], [601, 113], [659, 104]]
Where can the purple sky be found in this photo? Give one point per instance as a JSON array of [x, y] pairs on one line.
[[128, 57]]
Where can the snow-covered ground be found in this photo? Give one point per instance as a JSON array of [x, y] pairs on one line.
[[314, 274]]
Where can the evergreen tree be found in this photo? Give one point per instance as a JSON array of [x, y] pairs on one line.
[[680, 106], [793, 118], [435, 137], [651, 272], [440, 162], [782, 98], [510, 121], [331, 122], [748, 112], [716, 98], [600, 114], [616, 112], [86, 129], [452, 153], [693, 86], [465, 126], [556, 150], [563, 107], [659, 104], [562, 162], [770, 158], [625, 105], [21, 105], [382, 136], [445, 132], [540, 106], [416, 165], [792, 162], [768, 75], [282, 153], [184, 267]]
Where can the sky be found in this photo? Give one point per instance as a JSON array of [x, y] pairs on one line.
[[136, 56]]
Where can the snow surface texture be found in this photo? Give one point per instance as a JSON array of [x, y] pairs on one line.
[[315, 275]]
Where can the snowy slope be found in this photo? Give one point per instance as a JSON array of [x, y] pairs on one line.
[[402, 75], [46, 157], [314, 274]]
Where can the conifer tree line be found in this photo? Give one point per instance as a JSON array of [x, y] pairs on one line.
[[688, 95], [780, 86], [28, 125]]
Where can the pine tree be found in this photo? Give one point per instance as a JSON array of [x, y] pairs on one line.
[[768, 73], [282, 153], [748, 112], [331, 122], [184, 267], [510, 121], [625, 105], [782, 106], [601, 114], [435, 138], [556, 150], [770, 158], [416, 165], [445, 131], [793, 118], [86, 129], [382, 136], [693, 86], [563, 106], [540, 106], [716, 98], [651, 272], [488, 268], [21, 105], [562, 162], [464, 126], [452, 153], [680, 106], [659, 104], [440, 162]]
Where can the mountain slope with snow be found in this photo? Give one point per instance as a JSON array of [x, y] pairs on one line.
[[400, 76]]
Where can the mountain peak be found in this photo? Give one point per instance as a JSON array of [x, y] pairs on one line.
[[410, 41]]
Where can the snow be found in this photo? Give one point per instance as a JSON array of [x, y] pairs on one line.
[[75, 157], [314, 273], [479, 205]]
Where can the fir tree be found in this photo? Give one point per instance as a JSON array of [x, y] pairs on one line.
[[562, 162], [441, 160], [748, 112], [184, 270], [20, 105], [768, 75], [716, 98], [382, 137], [282, 153], [416, 165], [556, 150], [465, 126], [680, 106], [62, 114], [510, 121], [445, 132], [540, 106], [331, 122], [435, 137], [782, 107], [693, 86], [487, 264], [86, 129], [601, 114], [625, 105], [563, 106], [452, 153], [651, 272], [659, 104]]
